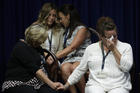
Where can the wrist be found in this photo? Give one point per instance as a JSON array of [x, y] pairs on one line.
[[114, 50], [66, 86], [50, 83], [57, 55]]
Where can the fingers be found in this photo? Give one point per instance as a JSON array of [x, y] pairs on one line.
[[60, 86], [110, 45], [50, 60]]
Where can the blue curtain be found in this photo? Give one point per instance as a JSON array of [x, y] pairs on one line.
[[16, 15]]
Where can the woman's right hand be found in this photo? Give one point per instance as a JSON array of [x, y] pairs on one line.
[[56, 85], [64, 87]]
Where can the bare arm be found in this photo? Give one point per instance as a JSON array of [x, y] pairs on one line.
[[77, 41], [65, 87], [117, 55], [54, 85]]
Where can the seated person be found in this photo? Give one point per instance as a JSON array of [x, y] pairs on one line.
[[109, 62], [47, 17], [76, 39], [24, 69]]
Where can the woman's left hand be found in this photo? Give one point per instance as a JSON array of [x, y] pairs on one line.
[[110, 45], [50, 60]]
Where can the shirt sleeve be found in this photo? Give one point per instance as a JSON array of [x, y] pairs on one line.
[[126, 60], [27, 57], [80, 70], [61, 40]]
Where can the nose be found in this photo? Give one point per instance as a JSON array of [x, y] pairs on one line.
[[52, 17]]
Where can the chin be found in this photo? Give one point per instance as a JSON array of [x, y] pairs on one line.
[[49, 24]]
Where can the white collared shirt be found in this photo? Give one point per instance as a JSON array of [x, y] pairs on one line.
[[113, 75]]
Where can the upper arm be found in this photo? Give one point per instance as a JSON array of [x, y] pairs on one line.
[[79, 38]]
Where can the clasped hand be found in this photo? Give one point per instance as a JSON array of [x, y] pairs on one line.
[[109, 44], [57, 86], [62, 87]]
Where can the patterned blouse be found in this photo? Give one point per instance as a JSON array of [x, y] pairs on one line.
[[35, 82], [77, 54]]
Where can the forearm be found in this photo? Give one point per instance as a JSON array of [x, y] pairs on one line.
[[41, 75], [66, 86], [117, 55], [76, 42], [65, 52], [126, 60]]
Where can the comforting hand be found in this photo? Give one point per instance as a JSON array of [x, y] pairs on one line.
[[64, 87], [56, 85], [61, 88]]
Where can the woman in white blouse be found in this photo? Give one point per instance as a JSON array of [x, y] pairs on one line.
[[108, 61]]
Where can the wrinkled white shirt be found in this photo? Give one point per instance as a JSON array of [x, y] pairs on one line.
[[114, 75]]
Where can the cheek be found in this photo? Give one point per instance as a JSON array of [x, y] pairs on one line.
[[63, 21]]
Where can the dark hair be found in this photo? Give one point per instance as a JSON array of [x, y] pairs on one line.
[[74, 16], [105, 24]]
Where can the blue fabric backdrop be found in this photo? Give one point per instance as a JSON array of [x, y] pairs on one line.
[[16, 15]]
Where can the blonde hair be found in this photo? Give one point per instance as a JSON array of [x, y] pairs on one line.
[[44, 12], [43, 15], [35, 35]]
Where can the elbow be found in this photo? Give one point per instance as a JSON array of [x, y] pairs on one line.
[[126, 67], [38, 72], [130, 66]]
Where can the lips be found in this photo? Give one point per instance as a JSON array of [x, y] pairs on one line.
[[50, 21]]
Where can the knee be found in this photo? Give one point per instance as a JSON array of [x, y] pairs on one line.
[[65, 68], [73, 67]]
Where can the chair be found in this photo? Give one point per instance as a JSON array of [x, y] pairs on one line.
[[53, 69], [94, 35]]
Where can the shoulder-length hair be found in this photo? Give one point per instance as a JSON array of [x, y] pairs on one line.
[[43, 15]]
